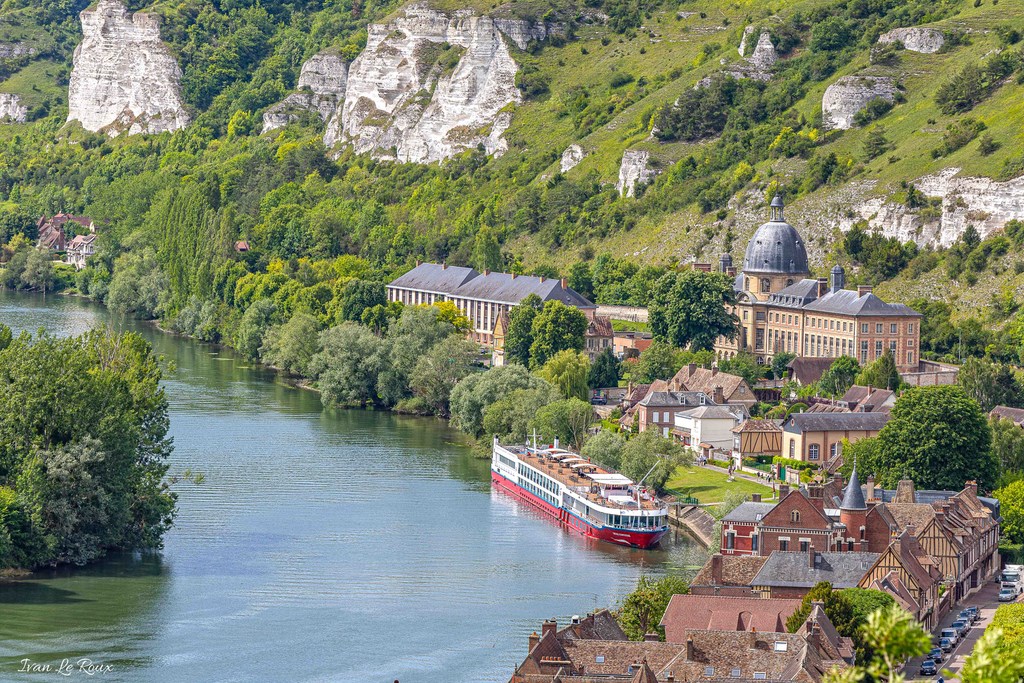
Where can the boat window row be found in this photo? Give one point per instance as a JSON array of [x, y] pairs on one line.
[[636, 522], [539, 492], [507, 462], [538, 478]]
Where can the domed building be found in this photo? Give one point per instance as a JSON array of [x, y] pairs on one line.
[[782, 309]]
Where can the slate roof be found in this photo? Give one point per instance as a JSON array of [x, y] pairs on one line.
[[809, 370], [797, 294], [501, 287], [713, 413], [776, 247], [837, 422], [725, 613], [867, 399], [848, 302], [791, 569], [748, 512], [675, 399], [853, 496], [1015, 415]]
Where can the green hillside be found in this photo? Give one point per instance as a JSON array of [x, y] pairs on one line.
[[607, 83]]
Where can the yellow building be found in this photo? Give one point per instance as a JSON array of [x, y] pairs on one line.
[[782, 309]]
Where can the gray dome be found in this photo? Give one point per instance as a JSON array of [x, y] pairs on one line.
[[776, 247]]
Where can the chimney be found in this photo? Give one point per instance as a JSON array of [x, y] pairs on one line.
[[871, 488], [810, 556], [652, 638], [487, 271], [692, 367], [565, 283], [731, 271], [714, 369], [689, 649], [783, 491], [444, 265], [716, 568], [719, 398], [513, 275], [973, 486], [862, 290], [549, 626], [418, 263], [534, 639], [822, 286], [755, 497]]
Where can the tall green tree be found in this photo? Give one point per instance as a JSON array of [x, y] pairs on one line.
[[38, 272], [409, 339], [347, 365], [519, 336], [650, 455], [471, 397], [292, 345], [690, 309], [568, 371], [780, 364], [657, 361], [359, 295], [556, 328], [840, 376], [511, 418], [605, 371], [643, 609], [837, 607], [1011, 506], [566, 420], [1007, 446], [938, 437], [990, 384], [255, 322], [605, 448], [440, 369], [487, 251], [881, 373]]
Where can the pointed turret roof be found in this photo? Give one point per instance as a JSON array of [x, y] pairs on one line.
[[853, 497]]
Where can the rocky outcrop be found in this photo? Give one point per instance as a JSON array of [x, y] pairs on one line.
[[916, 39], [430, 85], [124, 78], [572, 156], [11, 109], [847, 96], [764, 55], [13, 50], [982, 202], [756, 66], [321, 89], [634, 171], [748, 34], [522, 32]]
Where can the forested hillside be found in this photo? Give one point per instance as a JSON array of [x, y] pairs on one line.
[[721, 131]]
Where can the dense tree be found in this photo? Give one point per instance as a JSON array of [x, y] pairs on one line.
[[893, 637], [939, 438], [38, 272], [837, 606], [650, 455], [359, 295], [839, 377], [1007, 446], [255, 322], [448, 312], [511, 418], [487, 251], [744, 365], [657, 361], [605, 448], [581, 280], [1011, 500], [347, 366], [881, 373], [519, 336], [780, 364], [139, 287], [605, 371], [990, 384], [566, 420], [292, 345], [689, 309], [83, 443], [556, 328], [473, 395], [568, 371], [415, 332], [440, 369], [642, 610]]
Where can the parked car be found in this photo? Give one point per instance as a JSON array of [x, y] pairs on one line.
[[928, 668], [599, 401], [966, 615], [935, 654], [1007, 595], [962, 627], [975, 613], [951, 633], [946, 644]]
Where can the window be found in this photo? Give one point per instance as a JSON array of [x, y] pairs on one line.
[[599, 659], [783, 546], [766, 285], [910, 328], [813, 451], [863, 328], [878, 349], [702, 398], [709, 671], [833, 451], [804, 545], [849, 545], [892, 328], [781, 646], [910, 343], [760, 675], [753, 542], [878, 328], [910, 357], [794, 516], [863, 352], [735, 673], [746, 315], [730, 540], [656, 416], [892, 349], [862, 532]]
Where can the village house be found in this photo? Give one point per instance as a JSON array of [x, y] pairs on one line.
[[805, 371], [481, 297], [630, 344], [1014, 415], [573, 654], [781, 309], [658, 408], [54, 232], [791, 575], [687, 612], [739, 527], [80, 249], [818, 437], [905, 569], [728, 389], [708, 428], [756, 437], [598, 336], [730, 575]]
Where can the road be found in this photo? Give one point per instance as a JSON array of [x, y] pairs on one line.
[[986, 600]]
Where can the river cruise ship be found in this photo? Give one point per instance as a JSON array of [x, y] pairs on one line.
[[581, 495]]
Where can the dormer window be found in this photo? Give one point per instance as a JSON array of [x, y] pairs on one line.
[[794, 516], [709, 671], [735, 673]]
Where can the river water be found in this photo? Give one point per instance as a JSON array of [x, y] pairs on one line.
[[323, 546]]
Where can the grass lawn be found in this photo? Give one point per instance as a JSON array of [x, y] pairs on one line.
[[709, 486]]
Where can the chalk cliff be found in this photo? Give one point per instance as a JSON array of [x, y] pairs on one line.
[[634, 171], [847, 96], [429, 85], [124, 79], [321, 88], [915, 39], [11, 109]]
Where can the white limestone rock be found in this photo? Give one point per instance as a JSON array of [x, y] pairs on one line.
[[847, 96], [11, 109], [764, 55], [748, 34], [982, 202], [571, 157], [400, 104], [322, 84], [12, 50], [634, 171], [915, 39], [124, 78]]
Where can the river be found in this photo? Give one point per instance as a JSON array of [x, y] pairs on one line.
[[344, 546]]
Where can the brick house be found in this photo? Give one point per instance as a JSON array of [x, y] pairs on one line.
[[818, 437], [685, 612], [739, 527], [792, 575]]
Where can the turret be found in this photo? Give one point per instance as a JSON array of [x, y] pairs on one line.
[[837, 278]]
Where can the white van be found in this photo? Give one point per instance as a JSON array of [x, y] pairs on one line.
[[1010, 578]]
